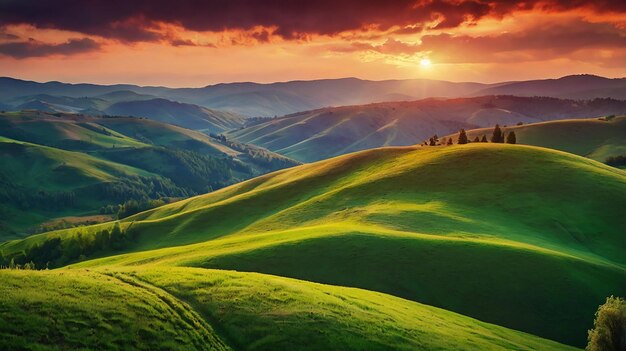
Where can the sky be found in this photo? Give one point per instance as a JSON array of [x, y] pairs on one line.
[[196, 43]]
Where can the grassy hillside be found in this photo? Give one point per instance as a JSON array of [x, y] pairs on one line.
[[194, 309], [129, 103], [38, 183], [91, 310], [597, 139], [176, 113], [63, 148], [486, 230], [319, 134]]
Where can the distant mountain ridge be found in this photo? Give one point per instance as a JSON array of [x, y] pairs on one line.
[[276, 99], [128, 103], [314, 135]]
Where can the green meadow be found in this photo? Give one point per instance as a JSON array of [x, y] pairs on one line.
[[597, 138], [478, 246]]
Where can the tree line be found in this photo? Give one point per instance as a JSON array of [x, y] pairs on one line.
[[497, 136], [56, 252]]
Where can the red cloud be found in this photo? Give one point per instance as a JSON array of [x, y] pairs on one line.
[[132, 21]]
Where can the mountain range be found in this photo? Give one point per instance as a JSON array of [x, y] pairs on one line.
[[276, 99]]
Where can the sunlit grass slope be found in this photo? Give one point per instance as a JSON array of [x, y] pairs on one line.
[[68, 133], [94, 311], [519, 236], [597, 139], [54, 169], [199, 309], [85, 133]]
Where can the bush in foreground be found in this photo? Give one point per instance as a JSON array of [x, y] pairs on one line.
[[609, 327]]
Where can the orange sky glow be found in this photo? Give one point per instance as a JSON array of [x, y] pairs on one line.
[[480, 40]]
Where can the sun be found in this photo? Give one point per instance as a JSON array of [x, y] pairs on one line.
[[425, 62]]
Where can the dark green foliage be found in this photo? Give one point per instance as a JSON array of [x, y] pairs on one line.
[[258, 156], [497, 136], [510, 138], [616, 161], [609, 327], [132, 207], [192, 171], [449, 141], [462, 137], [483, 139], [476, 140], [433, 140], [54, 252]]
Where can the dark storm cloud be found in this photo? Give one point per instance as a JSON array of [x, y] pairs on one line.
[[135, 21], [33, 48]]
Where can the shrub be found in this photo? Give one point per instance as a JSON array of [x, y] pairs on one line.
[[616, 161], [609, 327]]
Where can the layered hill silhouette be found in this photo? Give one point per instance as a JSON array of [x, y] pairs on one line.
[[128, 103], [318, 134], [490, 231], [584, 86], [65, 165], [276, 99]]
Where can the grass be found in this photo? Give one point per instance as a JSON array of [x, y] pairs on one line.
[[37, 166], [88, 310], [69, 134], [597, 139], [50, 153], [199, 309], [315, 135], [489, 231], [31, 169]]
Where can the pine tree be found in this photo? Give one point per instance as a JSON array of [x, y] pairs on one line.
[[433, 140], [450, 141], [483, 139], [462, 137], [476, 140], [510, 139], [497, 136]]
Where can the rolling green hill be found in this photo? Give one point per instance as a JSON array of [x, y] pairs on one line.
[[180, 114], [489, 231], [155, 159], [314, 135], [39, 182], [597, 139], [199, 309], [128, 103]]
